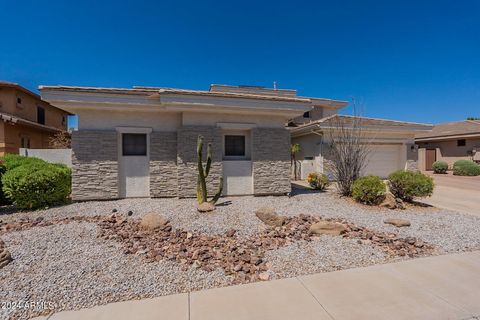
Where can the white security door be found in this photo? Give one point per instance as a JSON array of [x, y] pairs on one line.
[[383, 160], [134, 155]]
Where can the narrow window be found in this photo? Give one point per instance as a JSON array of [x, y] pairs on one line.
[[24, 142], [134, 144], [235, 146], [461, 143], [40, 115], [19, 100], [307, 115]]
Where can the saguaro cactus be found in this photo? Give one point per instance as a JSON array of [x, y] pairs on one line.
[[203, 174]]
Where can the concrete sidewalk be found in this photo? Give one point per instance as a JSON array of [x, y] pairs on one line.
[[442, 287]]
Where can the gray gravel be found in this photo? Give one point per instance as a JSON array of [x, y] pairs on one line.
[[68, 265]]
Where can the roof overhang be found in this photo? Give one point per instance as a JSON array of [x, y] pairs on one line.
[[449, 137], [174, 100], [366, 124]]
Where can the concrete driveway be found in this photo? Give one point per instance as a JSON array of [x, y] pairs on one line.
[[456, 193]]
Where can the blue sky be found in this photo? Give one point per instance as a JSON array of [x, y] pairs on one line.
[[407, 60]]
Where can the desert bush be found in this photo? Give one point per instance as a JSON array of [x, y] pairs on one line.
[[3, 199], [37, 185], [318, 181], [369, 190], [409, 184], [440, 167], [466, 168], [11, 161]]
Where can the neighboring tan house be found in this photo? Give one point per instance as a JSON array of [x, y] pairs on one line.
[[28, 121], [449, 142], [142, 142], [391, 143]]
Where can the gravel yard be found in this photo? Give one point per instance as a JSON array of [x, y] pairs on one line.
[[67, 264]]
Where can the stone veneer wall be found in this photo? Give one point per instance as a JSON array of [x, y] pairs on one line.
[[163, 164], [412, 158], [271, 161], [94, 165], [187, 159]]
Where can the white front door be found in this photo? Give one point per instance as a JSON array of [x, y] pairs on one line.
[[134, 156]]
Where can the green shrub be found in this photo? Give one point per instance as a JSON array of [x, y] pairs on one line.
[[466, 168], [409, 184], [369, 190], [11, 161], [440, 167], [37, 185], [3, 199], [318, 181]]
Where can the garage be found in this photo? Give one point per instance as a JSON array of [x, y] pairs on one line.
[[384, 159]]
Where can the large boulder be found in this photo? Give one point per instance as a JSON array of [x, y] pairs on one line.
[[397, 222], [327, 227], [153, 221], [391, 202], [5, 256], [269, 217]]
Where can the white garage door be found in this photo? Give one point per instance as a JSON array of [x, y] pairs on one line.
[[383, 160]]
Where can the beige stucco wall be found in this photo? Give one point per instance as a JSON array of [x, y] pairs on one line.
[[211, 119], [109, 120], [448, 150], [311, 146], [10, 137]]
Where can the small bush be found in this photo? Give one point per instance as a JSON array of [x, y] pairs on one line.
[[409, 184], [37, 185], [3, 199], [466, 168], [11, 161], [369, 190], [440, 167], [318, 181]]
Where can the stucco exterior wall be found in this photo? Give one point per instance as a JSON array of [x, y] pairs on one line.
[[448, 150], [27, 109], [94, 165], [163, 164], [271, 161], [187, 159], [110, 119], [13, 134], [316, 146], [211, 119]]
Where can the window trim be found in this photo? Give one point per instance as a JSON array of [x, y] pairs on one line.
[[248, 136]]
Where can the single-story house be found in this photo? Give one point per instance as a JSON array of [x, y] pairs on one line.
[[141, 142], [391, 143], [449, 142]]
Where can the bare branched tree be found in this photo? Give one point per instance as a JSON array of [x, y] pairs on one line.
[[349, 148], [60, 140]]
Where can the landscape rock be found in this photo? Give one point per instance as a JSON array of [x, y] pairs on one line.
[[389, 201], [397, 222], [269, 217], [153, 221], [5, 256], [327, 227], [264, 276], [206, 207]]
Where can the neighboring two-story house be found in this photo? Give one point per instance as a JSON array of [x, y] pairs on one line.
[[27, 120]]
